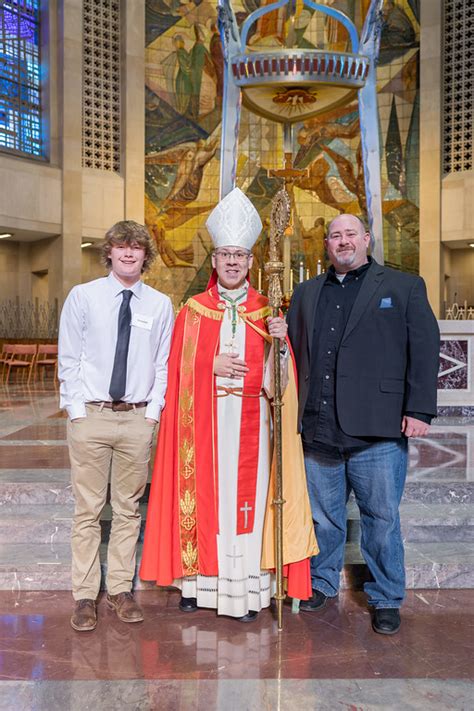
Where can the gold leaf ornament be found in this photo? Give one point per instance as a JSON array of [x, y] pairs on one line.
[[186, 456], [188, 504], [186, 403], [190, 555], [188, 351]]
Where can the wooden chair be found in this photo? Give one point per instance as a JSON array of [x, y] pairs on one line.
[[5, 357], [46, 355], [23, 357]]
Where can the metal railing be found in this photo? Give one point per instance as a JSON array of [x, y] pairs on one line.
[[459, 312]]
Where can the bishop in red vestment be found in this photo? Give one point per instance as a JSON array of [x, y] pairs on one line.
[[210, 495]]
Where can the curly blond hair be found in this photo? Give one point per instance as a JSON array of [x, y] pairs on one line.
[[129, 232]]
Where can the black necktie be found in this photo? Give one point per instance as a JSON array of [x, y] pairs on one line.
[[119, 371]]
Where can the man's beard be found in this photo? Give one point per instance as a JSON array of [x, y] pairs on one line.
[[345, 258]]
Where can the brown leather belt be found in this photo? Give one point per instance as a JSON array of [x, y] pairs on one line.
[[119, 405], [236, 391]]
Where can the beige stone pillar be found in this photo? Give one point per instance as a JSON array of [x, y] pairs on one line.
[[66, 249], [431, 266], [133, 109]]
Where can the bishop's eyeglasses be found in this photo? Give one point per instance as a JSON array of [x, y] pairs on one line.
[[225, 255]]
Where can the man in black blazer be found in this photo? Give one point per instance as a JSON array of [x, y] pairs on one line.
[[366, 344]]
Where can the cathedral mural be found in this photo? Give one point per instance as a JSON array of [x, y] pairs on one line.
[[184, 83]]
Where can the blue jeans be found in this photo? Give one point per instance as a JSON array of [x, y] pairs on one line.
[[376, 474]]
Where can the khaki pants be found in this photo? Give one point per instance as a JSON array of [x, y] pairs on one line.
[[107, 444]]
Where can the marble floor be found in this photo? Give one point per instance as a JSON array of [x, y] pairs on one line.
[[173, 660], [329, 660]]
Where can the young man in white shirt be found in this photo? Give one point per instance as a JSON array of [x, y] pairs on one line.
[[114, 339]]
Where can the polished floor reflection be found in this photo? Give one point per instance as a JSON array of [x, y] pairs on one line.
[[190, 660], [435, 641]]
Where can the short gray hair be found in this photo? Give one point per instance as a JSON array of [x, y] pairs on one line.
[[363, 222]]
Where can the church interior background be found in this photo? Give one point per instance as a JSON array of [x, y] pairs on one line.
[[184, 82], [111, 110]]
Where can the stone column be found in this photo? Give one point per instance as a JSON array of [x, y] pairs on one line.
[[431, 266], [66, 249], [133, 109]]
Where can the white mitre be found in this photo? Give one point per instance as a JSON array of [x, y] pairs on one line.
[[234, 222]]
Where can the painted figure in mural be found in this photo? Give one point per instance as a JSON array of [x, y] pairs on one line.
[[367, 348], [217, 57], [336, 34], [345, 190], [191, 159], [345, 168], [183, 80], [313, 244], [203, 77], [315, 181], [172, 257], [195, 80], [270, 29], [209, 524], [325, 127], [398, 33], [114, 340]]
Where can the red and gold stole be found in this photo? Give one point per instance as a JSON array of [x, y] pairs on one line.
[[197, 433]]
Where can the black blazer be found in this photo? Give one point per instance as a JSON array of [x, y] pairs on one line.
[[388, 357]]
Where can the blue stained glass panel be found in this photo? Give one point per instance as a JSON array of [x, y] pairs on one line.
[[20, 77]]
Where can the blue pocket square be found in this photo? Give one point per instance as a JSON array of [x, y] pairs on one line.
[[386, 303]]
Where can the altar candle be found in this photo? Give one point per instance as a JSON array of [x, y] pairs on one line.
[[320, 267], [259, 280], [301, 274], [291, 279], [307, 273]]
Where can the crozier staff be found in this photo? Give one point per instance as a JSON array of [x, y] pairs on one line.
[[208, 502]]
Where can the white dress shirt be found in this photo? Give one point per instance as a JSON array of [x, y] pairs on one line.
[[87, 340]]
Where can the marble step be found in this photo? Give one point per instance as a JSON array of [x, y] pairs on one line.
[[427, 565], [48, 523], [34, 566], [35, 486], [425, 523], [439, 492], [53, 486], [39, 487]]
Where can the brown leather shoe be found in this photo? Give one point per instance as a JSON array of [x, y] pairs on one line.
[[125, 606], [84, 618]]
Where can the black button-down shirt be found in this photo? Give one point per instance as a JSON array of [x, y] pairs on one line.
[[320, 421]]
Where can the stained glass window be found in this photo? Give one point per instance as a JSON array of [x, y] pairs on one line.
[[20, 96]]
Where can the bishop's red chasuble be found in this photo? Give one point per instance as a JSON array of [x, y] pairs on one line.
[[182, 519]]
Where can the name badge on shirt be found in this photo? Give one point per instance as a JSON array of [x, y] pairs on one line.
[[142, 321]]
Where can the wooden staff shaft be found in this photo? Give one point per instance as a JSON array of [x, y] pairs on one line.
[[278, 500], [280, 216]]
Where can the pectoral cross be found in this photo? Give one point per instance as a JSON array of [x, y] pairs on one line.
[[246, 508], [229, 346], [231, 306]]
